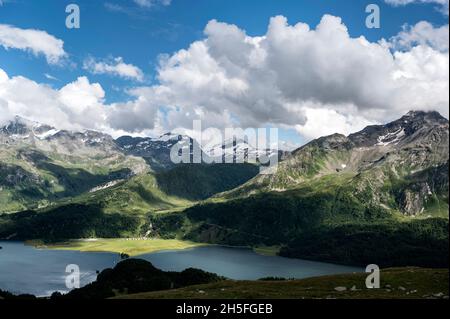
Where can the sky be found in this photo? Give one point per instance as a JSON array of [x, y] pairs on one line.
[[146, 67]]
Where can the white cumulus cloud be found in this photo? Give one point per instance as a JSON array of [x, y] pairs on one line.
[[115, 67], [317, 81], [35, 41], [442, 4], [76, 106], [327, 121], [281, 77], [151, 3], [423, 33]]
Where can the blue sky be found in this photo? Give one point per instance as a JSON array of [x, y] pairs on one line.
[[113, 28], [141, 35]]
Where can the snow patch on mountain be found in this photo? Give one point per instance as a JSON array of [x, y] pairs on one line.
[[47, 134], [391, 138]]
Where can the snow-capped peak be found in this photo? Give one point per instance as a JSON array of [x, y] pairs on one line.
[[167, 137], [23, 128]]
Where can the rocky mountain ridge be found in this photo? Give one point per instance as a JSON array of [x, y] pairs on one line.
[[385, 164]]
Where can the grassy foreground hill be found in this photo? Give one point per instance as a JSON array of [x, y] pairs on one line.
[[139, 279], [396, 283]]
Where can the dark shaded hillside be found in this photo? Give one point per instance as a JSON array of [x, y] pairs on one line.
[[136, 275], [277, 217], [321, 225], [121, 210], [419, 243], [70, 221], [200, 181]]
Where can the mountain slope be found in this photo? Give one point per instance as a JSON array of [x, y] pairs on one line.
[[209, 179], [386, 185], [383, 163], [383, 175], [54, 176], [155, 151], [120, 210], [40, 164]]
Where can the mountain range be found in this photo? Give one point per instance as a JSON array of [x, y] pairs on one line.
[[401, 166], [376, 196], [41, 166]]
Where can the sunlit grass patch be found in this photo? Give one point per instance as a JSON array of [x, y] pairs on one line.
[[131, 247]]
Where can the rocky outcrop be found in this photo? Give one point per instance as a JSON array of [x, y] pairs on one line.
[[412, 200]]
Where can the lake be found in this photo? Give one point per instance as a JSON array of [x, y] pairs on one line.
[[25, 269]]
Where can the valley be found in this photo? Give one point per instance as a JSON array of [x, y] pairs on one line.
[[203, 150], [376, 196]]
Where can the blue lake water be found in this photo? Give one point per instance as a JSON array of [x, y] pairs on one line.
[[25, 269]]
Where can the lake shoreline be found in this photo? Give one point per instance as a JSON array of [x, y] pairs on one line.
[[26, 269], [132, 247], [92, 245]]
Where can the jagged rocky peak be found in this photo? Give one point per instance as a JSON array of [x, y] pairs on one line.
[[24, 129], [423, 116], [170, 137], [417, 141], [21, 126], [416, 120], [15, 127], [234, 148], [155, 151], [334, 142], [395, 132], [144, 144]]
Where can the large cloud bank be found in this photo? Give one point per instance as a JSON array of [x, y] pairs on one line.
[[315, 80]]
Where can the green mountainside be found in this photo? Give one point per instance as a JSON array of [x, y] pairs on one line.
[[377, 196], [400, 166], [201, 181], [40, 165]]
